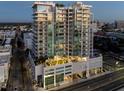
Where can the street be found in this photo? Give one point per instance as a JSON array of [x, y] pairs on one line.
[[96, 82], [19, 77], [112, 62], [113, 86]]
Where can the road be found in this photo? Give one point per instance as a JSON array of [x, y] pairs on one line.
[[121, 89], [113, 63], [113, 86], [19, 77], [95, 83]]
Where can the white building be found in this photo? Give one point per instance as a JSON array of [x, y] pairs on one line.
[[7, 43], [4, 63], [66, 34], [61, 30], [9, 34], [5, 53], [28, 39], [64, 73]]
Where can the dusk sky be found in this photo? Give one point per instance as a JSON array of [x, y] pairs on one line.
[[21, 11]]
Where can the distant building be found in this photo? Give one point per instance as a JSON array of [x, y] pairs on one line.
[[4, 64], [6, 37], [5, 54], [2, 35], [27, 36], [9, 34], [100, 24], [120, 25], [94, 27], [13, 26]]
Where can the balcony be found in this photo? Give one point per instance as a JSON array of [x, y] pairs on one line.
[[86, 12], [79, 11], [86, 16]]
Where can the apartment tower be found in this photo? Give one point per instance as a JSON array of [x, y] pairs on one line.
[[43, 29], [63, 31]]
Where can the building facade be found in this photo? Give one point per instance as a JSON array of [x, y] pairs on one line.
[[119, 24], [56, 75], [43, 29], [65, 36], [4, 64], [60, 30], [27, 37]]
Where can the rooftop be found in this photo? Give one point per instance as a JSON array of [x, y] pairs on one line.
[[14, 23], [116, 34], [61, 60], [43, 3], [4, 49]]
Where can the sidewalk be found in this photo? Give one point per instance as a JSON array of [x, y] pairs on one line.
[[39, 88], [78, 81]]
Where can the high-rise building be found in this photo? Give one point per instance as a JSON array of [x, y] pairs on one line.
[[60, 30], [65, 36], [82, 33], [43, 29]]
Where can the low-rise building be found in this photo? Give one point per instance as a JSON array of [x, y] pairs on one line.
[[4, 64], [54, 74], [120, 25], [27, 36], [5, 53]]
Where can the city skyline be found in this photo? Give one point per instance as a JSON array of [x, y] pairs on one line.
[[20, 11]]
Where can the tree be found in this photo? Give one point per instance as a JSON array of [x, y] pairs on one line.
[[59, 5]]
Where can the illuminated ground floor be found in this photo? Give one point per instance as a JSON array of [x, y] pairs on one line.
[[59, 79], [51, 76]]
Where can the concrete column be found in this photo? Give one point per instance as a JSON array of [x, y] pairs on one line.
[[44, 78], [101, 69], [64, 72], [44, 82], [54, 77], [87, 69], [87, 74]]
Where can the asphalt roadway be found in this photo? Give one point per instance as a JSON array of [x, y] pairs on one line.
[[97, 83], [113, 86], [19, 75]]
